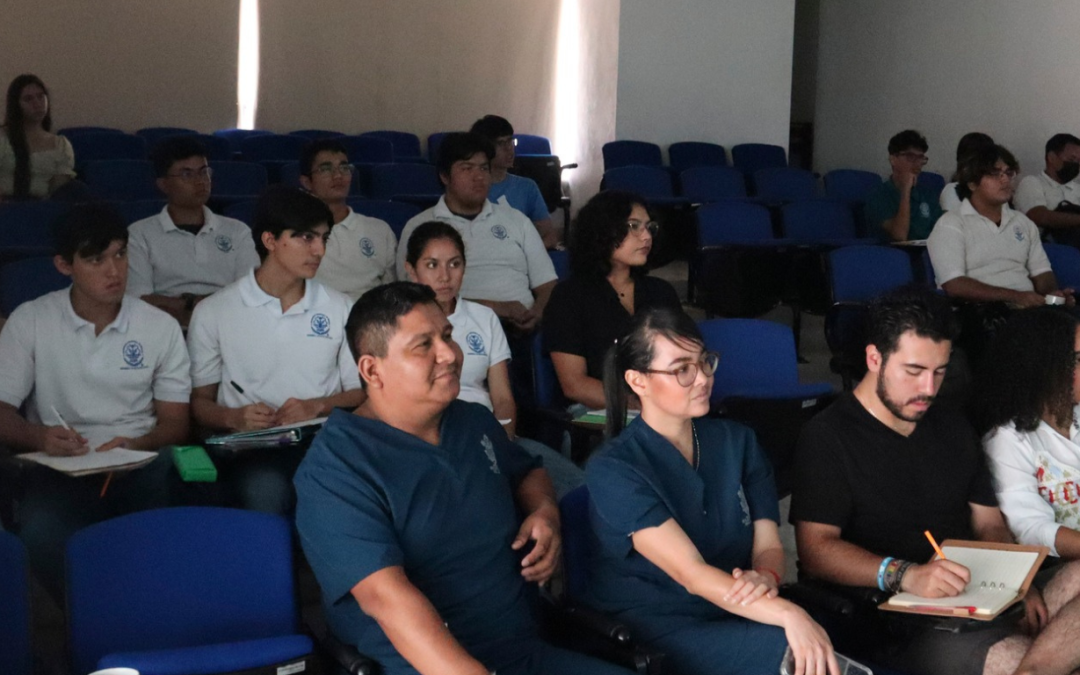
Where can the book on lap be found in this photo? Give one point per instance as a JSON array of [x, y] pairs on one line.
[[283, 436], [1000, 576], [117, 459]]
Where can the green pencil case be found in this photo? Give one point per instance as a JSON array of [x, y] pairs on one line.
[[194, 464]]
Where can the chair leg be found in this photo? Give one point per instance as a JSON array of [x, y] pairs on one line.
[[796, 329]]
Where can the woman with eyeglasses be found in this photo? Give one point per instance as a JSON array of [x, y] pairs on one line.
[[608, 285], [686, 514], [34, 162]]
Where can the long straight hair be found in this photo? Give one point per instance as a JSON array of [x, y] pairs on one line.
[[13, 126], [635, 350]]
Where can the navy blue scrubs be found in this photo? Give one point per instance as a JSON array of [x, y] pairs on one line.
[[371, 496], [640, 480]]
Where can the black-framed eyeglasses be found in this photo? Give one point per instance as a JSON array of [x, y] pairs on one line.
[[914, 157], [999, 174], [189, 175], [328, 169], [687, 372], [639, 226]]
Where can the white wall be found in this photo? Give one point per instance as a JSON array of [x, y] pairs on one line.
[[1002, 67], [705, 70]]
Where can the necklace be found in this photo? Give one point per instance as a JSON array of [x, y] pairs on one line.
[[697, 447]]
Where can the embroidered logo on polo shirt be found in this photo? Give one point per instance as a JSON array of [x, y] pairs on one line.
[[133, 355], [320, 326], [499, 231], [924, 210], [489, 450], [366, 247], [475, 343], [223, 242], [1018, 234], [745, 507]]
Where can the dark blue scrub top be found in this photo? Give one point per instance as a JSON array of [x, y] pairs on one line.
[[640, 480], [370, 496]]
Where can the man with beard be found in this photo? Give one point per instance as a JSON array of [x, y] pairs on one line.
[[1052, 198], [881, 466]]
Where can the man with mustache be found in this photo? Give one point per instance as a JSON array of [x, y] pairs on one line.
[[407, 509], [1052, 198], [881, 466]]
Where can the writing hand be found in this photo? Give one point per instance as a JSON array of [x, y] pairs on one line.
[[298, 410], [253, 417], [937, 579], [61, 442]]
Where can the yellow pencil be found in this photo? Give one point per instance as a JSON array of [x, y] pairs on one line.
[[935, 545]]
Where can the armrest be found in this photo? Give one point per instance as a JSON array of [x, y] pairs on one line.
[[597, 623], [586, 630], [346, 656]]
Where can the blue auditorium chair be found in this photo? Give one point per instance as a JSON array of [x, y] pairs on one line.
[[781, 185], [71, 132], [26, 228], [651, 182], [851, 185], [406, 145], [235, 136], [94, 147], [193, 590], [414, 183], [272, 148], [144, 208], [530, 144], [121, 179], [237, 181], [706, 184], [394, 214], [244, 211], [752, 157], [932, 182], [315, 134], [433, 142], [368, 149], [631, 153], [218, 149], [1065, 263], [692, 154], [822, 222], [27, 279], [15, 654], [154, 134]]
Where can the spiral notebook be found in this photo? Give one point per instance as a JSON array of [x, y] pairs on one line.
[[1000, 576]]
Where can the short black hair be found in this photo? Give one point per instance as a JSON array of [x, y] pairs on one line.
[[970, 142], [600, 227], [909, 308], [430, 231], [87, 230], [981, 163], [907, 139], [173, 149], [492, 127], [373, 319], [283, 208], [1058, 142], [459, 146], [308, 153]]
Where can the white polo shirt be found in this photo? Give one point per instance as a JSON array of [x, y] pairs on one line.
[[1042, 190], [480, 335], [966, 244], [506, 258], [240, 335], [103, 385], [165, 260], [359, 255]]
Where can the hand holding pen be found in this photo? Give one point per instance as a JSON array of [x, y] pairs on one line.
[[63, 441], [253, 416]]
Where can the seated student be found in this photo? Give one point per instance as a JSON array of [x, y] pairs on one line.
[[34, 162], [519, 192], [436, 258], [985, 251], [270, 349], [110, 366], [882, 465], [1052, 199], [511, 271], [1026, 405], [900, 210], [686, 514], [969, 143], [187, 251], [407, 510], [608, 285], [360, 252]]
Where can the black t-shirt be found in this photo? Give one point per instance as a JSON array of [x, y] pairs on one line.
[[884, 489], [584, 316]]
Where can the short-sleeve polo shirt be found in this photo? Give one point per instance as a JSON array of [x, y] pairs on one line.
[[884, 203], [640, 480], [359, 255], [165, 260], [522, 194], [967, 244], [240, 334], [506, 258], [483, 342], [1042, 190], [103, 385], [370, 496]]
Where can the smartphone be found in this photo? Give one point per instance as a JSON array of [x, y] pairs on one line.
[[847, 666]]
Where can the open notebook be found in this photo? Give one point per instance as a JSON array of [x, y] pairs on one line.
[[1000, 576], [117, 459]]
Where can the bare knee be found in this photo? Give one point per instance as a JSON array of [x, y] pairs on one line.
[[1005, 655]]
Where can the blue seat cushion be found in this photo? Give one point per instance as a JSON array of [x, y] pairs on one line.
[[212, 659]]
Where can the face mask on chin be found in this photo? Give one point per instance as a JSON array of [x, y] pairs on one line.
[[1068, 171]]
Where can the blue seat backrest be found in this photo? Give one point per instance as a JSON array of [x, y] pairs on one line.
[[272, 148], [578, 541], [92, 147], [137, 210], [861, 273], [315, 134], [406, 145], [178, 577], [154, 134], [691, 154], [751, 157], [244, 211], [394, 214], [530, 144], [546, 389], [818, 220], [851, 185], [25, 280], [433, 142], [1065, 263], [754, 353], [651, 182], [631, 153], [15, 599], [239, 178], [121, 179], [785, 184], [706, 184], [388, 180], [71, 132], [932, 182], [368, 149], [733, 222]]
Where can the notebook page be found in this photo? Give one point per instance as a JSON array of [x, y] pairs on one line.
[[91, 461], [996, 578]]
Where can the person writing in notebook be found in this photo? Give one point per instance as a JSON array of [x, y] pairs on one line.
[[269, 349], [881, 466], [94, 369]]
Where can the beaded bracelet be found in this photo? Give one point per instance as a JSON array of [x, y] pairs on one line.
[[881, 573]]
